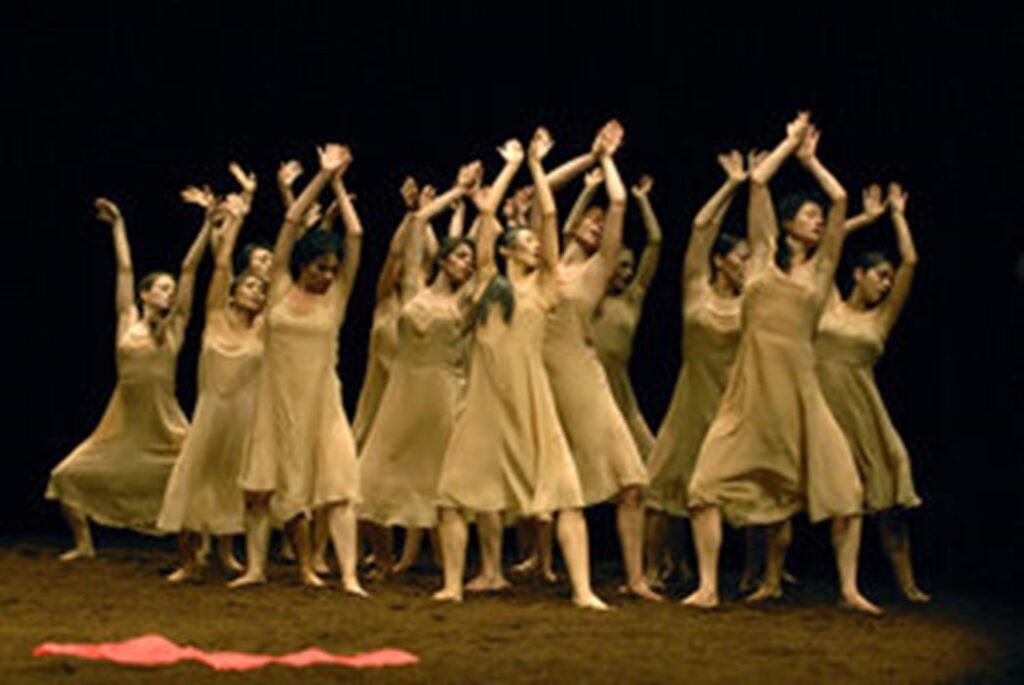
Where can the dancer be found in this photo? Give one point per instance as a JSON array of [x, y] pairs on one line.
[[616, 318], [712, 282], [851, 338], [301, 450], [607, 459], [118, 475], [401, 462], [507, 451], [202, 494], [774, 448]]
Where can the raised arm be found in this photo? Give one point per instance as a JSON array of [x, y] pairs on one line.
[[246, 181], [457, 224], [124, 292], [230, 215], [834, 235], [872, 207], [591, 182], [696, 263], [890, 309], [762, 226], [487, 200], [353, 232], [652, 248], [540, 145], [611, 235], [286, 175], [562, 175], [189, 266]]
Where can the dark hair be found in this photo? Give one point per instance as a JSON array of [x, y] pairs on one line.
[[311, 247], [449, 245], [788, 208], [149, 279], [499, 290], [240, 278], [244, 256], [869, 260], [724, 244]]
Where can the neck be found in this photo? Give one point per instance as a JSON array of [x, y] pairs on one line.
[[857, 300], [240, 316], [723, 287], [516, 272], [798, 251], [151, 315], [442, 285], [574, 254]]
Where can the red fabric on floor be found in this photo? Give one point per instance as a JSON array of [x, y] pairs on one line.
[[156, 650]]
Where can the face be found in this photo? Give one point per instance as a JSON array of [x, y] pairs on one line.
[[588, 232], [458, 265], [251, 294], [260, 260], [733, 265], [874, 283], [625, 266], [525, 250], [160, 295], [808, 223], [318, 275]]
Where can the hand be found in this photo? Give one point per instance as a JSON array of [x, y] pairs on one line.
[[313, 214], [797, 128], [511, 151], [897, 198], [427, 195], [540, 144], [288, 172], [202, 197], [874, 205], [732, 163], [107, 211], [643, 187], [609, 139], [754, 159], [469, 174], [235, 205], [246, 180], [808, 149], [523, 198], [594, 177], [334, 158], [410, 191]]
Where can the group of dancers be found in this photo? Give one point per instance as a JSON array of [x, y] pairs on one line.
[[497, 387]]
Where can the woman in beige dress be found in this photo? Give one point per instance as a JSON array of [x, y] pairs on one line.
[[301, 455], [606, 456], [712, 282], [774, 448], [851, 338], [401, 461], [202, 494], [618, 315], [507, 452], [117, 476]]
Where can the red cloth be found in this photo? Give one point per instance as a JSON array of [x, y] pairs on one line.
[[156, 650]]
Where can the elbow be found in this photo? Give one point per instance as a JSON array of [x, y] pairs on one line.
[[839, 196]]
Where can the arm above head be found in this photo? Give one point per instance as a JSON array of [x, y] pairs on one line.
[[652, 248], [591, 182], [124, 298], [762, 226], [834, 235], [540, 146], [457, 224], [708, 220], [353, 231], [229, 216], [904, 277], [873, 207], [286, 175], [611, 237]]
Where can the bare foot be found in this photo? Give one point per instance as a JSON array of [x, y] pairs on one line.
[[748, 583], [702, 599], [527, 565], [77, 553], [590, 601], [320, 566], [857, 602], [378, 573], [548, 576], [310, 579], [484, 583], [764, 593], [655, 582], [184, 573], [916, 594], [232, 563], [400, 568], [353, 587], [642, 590], [789, 578], [446, 595], [247, 579], [686, 574]]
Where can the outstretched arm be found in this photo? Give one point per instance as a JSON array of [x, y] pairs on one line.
[[710, 217], [762, 227], [124, 292], [189, 266], [540, 145], [890, 309], [230, 214], [353, 233], [652, 249], [835, 233], [591, 182]]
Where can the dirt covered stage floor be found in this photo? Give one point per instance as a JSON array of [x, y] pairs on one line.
[[531, 634]]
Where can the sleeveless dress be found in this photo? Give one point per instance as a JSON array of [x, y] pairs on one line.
[[612, 332], [607, 458], [380, 358], [711, 335], [203, 494], [507, 451], [301, 446], [774, 448], [400, 464], [118, 475], [848, 345]]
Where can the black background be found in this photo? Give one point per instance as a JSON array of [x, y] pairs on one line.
[[135, 106]]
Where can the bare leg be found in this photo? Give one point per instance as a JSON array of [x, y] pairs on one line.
[[188, 544], [846, 541], [707, 538], [226, 552], [298, 530], [895, 536], [655, 523], [81, 534], [572, 538], [753, 556], [380, 544], [454, 535], [341, 519], [202, 551], [629, 517], [287, 551], [435, 547], [410, 550], [491, 578], [778, 538], [257, 540], [545, 550], [321, 534], [526, 545]]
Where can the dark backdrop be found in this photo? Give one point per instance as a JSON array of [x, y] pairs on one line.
[[135, 107]]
